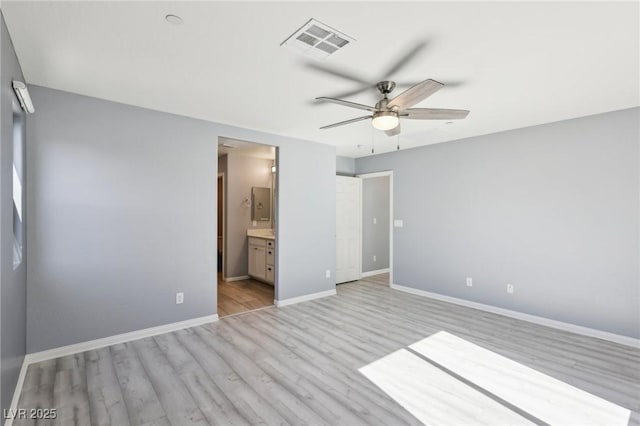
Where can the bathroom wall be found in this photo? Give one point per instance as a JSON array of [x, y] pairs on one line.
[[243, 173]]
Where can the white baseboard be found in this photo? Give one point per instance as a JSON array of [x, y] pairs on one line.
[[118, 338], [291, 301], [17, 391], [578, 329], [372, 273], [232, 279], [97, 344]]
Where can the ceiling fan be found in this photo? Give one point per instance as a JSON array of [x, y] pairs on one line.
[[387, 112]]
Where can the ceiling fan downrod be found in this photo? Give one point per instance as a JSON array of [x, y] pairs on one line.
[[385, 87]]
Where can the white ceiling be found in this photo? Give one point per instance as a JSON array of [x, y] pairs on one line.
[[516, 64]]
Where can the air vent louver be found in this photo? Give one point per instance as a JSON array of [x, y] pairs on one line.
[[317, 40]]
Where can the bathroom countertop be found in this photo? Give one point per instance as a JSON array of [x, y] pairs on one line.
[[267, 234]]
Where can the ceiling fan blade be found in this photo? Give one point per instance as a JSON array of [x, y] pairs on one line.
[[450, 84], [404, 60], [337, 73], [415, 94], [347, 103], [434, 114], [342, 123], [354, 92], [394, 131]]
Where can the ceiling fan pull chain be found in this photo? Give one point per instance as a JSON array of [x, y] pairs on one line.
[[372, 141]]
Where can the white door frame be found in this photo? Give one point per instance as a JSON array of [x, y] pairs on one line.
[[375, 175]]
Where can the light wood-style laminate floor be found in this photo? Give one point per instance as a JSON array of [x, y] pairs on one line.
[[299, 365], [242, 296]]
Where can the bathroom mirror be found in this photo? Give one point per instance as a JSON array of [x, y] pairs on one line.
[[260, 204]]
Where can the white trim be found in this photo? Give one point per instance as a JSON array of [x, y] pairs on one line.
[[307, 297], [374, 175], [118, 338], [232, 279], [564, 326], [360, 187], [372, 273], [18, 390]]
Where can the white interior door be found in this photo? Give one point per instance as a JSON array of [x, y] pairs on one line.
[[348, 219]]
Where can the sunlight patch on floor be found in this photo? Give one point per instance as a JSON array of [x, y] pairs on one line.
[[434, 396]]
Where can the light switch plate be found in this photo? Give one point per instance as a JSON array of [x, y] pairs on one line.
[[398, 223]]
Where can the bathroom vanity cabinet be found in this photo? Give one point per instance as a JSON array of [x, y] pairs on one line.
[[262, 255]]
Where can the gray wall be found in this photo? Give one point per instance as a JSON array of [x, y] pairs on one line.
[[551, 209], [375, 236], [13, 284], [124, 215], [242, 174], [345, 166]]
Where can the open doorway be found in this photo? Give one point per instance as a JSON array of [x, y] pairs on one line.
[[377, 227], [247, 226]]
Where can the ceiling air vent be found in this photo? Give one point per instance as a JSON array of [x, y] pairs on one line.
[[317, 40]]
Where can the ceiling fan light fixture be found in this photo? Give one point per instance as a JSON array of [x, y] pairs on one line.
[[385, 120]]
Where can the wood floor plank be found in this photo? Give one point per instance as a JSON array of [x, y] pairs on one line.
[[325, 368], [107, 406], [242, 296], [300, 364], [293, 409], [37, 392], [142, 402], [211, 400], [175, 398], [70, 396], [322, 400], [550, 355], [250, 404]]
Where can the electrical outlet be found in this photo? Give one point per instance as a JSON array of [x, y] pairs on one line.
[[374, 258], [469, 282], [328, 273], [510, 288], [375, 221], [254, 222], [398, 223], [179, 298]]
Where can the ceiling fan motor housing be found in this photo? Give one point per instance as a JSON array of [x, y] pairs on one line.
[[381, 105]]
